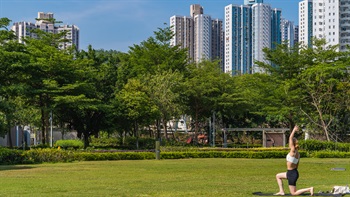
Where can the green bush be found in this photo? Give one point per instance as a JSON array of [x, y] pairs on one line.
[[11, 156], [144, 143], [48, 155], [195, 149], [40, 146], [244, 145], [69, 144], [105, 143], [330, 154], [316, 145], [228, 154], [89, 156]]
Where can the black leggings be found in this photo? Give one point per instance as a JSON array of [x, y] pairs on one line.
[[292, 176]]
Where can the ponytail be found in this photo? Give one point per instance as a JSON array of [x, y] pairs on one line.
[[295, 143]]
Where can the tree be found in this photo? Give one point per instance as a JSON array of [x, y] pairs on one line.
[[164, 91], [314, 82], [151, 56], [86, 105], [257, 101], [136, 105], [13, 59], [326, 85], [155, 60], [204, 91], [47, 75]]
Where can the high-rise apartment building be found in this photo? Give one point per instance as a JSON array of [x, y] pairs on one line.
[[45, 23], [217, 42], [344, 22], [199, 33], [238, 39], [276, 22], [296, 34], [72, 35], [23, 29], [251, 2], [183, 29], [248, 29], [325, 19], [261, 31], [305, 22], [288, 32], [202, 35], [196, 9]]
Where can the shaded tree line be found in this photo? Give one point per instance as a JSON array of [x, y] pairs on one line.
[[91, 90]]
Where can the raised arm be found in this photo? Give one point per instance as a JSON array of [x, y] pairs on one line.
[[291, 143]]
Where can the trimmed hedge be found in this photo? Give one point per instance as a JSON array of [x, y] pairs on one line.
[[12, 156], [117, 143], [196, 149], [232, 154], [330, 154], [70, 144], [88, 156], [105, 143], [48, 155], [316, 145]]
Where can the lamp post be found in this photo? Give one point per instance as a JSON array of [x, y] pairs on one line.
[[51, 128]]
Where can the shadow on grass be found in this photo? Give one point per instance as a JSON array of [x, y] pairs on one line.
[[14, 167]]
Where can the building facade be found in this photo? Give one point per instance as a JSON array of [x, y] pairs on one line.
[[261, 31], [325, 19], [287, 32], [217, 42], [183, 29], [276, 29], [296, 34], [202, 35], [305, 22], [248, 29], [238, 39], [344, 23], [199, 33], [45, 23]]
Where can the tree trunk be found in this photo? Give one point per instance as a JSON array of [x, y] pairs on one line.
[[43, 127], [136, 134], [9, 133], [86, 140], [165, 129], [158, 129]]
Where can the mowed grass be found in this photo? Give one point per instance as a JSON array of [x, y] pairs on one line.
[[185, 177]]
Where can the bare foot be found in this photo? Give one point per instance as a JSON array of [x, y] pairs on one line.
[[279, 194], [311, 191]]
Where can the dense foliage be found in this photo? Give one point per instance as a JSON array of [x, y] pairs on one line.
[[135, 94], [314, 149]]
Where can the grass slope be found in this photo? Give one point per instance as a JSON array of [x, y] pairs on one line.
[[186, 177]]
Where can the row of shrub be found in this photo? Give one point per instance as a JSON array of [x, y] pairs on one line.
[[205, 149], [129, 143], [316, 145], [10, 156], [34, 156]]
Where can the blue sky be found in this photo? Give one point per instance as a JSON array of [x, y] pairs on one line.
[[118, 24]]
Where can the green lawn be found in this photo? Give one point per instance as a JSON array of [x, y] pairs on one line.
[[186, 177]]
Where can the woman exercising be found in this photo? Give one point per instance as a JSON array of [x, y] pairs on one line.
[[292, 173]]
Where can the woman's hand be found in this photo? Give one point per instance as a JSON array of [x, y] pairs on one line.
[[295, 129]]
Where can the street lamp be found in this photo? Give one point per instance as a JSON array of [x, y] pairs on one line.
[[51, 128]]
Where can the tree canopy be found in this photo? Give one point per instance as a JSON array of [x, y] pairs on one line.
[[140, 91]]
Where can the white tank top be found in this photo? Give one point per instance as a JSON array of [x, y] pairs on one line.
[[292, 159]]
